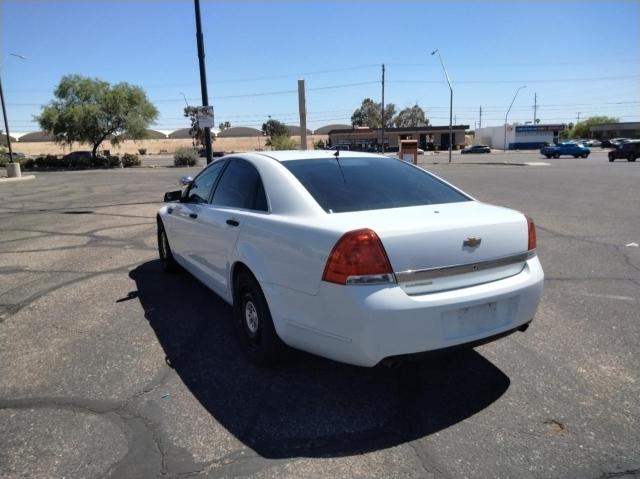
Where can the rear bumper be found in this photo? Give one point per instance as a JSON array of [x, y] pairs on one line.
[[362, 325]]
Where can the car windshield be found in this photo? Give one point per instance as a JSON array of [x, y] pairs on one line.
[[357, 184]]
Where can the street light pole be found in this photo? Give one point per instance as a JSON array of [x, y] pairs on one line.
[[203, 78], [4, 108], [507, 116], [450, 101]]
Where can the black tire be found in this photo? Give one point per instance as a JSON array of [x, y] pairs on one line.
[[169, 263], [631, 158], [611, 158], [576, 156], [585, 155], [254, 325], [557, 155], [548, 156]]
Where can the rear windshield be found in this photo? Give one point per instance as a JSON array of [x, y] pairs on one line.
[[356, 184]]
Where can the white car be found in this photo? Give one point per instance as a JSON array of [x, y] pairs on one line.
[[352, 256]]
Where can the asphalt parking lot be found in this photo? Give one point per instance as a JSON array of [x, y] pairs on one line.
[[111, 368]]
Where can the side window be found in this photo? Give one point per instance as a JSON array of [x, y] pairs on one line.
[[241, 187], [200, 189]]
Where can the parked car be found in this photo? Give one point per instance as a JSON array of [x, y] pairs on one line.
[[476, 149], [358, 258], [629, 150], [593, 143], [567, 148]]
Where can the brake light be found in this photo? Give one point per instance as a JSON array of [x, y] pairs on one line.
[[532, 233], [358, 258]]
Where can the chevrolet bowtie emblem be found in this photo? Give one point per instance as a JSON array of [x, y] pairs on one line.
[[472, 242]]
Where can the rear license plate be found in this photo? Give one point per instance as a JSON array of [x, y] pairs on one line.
[[477, 319]]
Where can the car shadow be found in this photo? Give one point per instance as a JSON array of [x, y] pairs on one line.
[[308, 406]]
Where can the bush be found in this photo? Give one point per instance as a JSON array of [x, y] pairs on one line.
[[113, 161], [142, 151], [29, 164], [129, 160], [318, 145], [185, 157], [283, 142]]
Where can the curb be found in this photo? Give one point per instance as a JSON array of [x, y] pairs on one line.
[[19, 178]]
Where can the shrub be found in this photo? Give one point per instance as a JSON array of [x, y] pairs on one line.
[[29, 164], [283, 142], [142, 151], [185, 157], [114, 161], [129, 160], [318, 145]]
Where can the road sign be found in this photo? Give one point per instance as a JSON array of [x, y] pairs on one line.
[[205, 116]]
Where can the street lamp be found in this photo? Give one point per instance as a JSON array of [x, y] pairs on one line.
[[450, 101], [4, 108], [507, 116]]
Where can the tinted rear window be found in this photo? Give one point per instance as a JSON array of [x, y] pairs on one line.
[[356, 184]]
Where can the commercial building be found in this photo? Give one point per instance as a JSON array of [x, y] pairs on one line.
[[607, 131], [371, 139], [518, 137]]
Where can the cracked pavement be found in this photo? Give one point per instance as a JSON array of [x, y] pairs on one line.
[[111, 368]]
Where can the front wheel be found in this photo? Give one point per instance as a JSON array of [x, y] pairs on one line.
[[611, 158], [584, 155], [548, 156], [631, 158], [254, 325], [557, 155]]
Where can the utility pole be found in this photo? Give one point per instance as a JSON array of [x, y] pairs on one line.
[[578, 121], [302, 108], [203, 78], [535, 107], [480, 122], [382, 112], [6, 124]]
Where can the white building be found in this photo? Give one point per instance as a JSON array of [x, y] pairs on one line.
[[518, 137]]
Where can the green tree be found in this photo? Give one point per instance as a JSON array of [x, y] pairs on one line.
[[275, 128], [88, 110], [411, 117], [195, 132], [581, 129], [369, 114]]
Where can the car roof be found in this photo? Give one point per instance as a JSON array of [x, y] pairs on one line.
[[288, 155]]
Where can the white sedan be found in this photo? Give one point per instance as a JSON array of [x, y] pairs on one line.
[[352, 256]]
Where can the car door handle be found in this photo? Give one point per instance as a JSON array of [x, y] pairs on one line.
[[233, 223], [193, 215]]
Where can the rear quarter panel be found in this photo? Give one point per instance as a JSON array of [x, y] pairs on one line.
[[284, 251]]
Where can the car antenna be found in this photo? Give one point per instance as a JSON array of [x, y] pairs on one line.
[[337, 155]]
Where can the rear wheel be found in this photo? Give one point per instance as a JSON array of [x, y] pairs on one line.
[[557, 155], [576, 156], [548, 156], [254, 325], [169, 263], [611, 158], [631, 157]]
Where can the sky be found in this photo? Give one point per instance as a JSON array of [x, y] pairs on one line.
[[580, 58]]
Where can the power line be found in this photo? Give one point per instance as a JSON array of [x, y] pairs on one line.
[[556, 80]]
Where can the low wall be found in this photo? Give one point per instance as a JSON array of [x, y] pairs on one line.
[[154, 147]]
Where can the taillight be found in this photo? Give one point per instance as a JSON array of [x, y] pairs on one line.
[[358, 258], [532, 233]]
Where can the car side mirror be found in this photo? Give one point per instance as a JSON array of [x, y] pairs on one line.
[[173, 196], [186, 180]]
